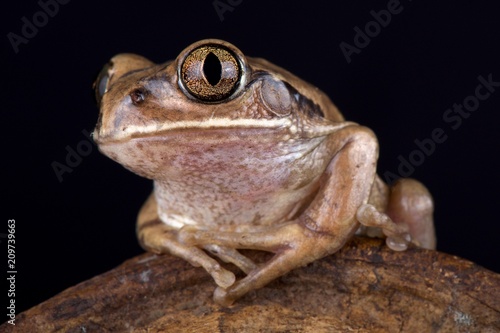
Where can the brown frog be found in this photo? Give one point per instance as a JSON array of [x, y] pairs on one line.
[[245, 155]]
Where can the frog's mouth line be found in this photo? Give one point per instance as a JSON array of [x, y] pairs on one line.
[[254, 127], [209, 126]]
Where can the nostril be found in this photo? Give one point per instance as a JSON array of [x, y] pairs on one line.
[[138, 96]]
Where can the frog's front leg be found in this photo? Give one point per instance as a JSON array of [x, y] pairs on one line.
[[325, 225], [156, 236]]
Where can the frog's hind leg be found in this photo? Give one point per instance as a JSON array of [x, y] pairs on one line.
[[407, 217], [410, 203]]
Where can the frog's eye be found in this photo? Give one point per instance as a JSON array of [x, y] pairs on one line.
[[210, 73], [101, 83]]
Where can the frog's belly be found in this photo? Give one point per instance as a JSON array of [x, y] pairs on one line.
[[196, 156], [233, 181], [209, 209]]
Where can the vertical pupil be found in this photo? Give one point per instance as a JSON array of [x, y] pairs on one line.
[[212, 69]]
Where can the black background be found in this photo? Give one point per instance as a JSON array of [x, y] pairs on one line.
[[426, 59]]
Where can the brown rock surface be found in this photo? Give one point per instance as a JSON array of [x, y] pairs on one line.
[[363, 288]]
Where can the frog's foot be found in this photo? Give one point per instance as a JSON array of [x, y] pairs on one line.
[[158, 237], [232, 256], [293, 244], [398, 236]]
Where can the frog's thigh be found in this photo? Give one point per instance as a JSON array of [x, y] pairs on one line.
[[158, 237], [410, 203]]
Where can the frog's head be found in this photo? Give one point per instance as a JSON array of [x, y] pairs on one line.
[[211, 84], [211, 94]]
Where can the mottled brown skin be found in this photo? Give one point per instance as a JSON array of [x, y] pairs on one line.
[[261, 161]]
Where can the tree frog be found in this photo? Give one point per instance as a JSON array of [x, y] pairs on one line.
[[245, 155]]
